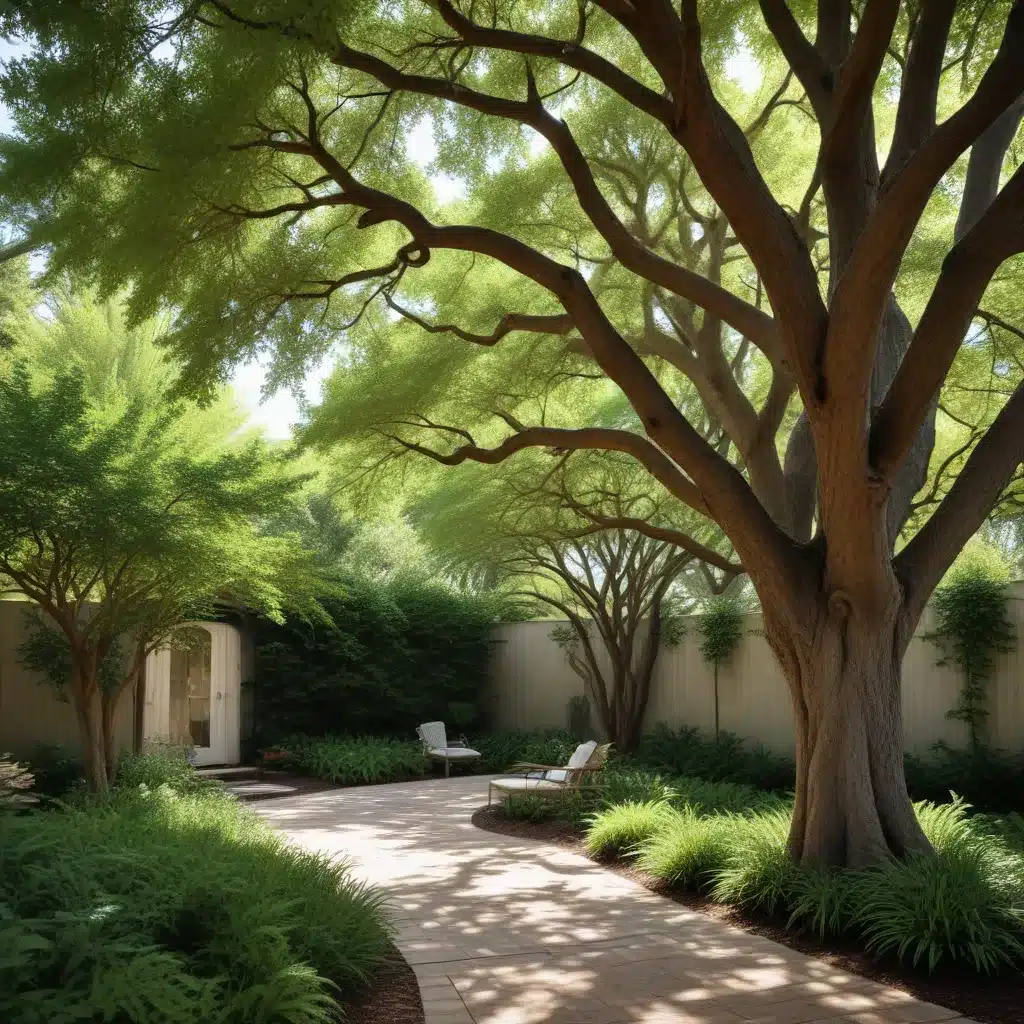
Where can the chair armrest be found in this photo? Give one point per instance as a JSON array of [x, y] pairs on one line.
[[527, 766], [460, 742]]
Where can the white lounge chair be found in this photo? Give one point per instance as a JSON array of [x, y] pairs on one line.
[[547, 780], [436, 745]]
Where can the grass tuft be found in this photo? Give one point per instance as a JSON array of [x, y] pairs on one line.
[[619, 830], [689, 848]]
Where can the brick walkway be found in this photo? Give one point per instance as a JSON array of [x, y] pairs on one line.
[[509, 931]]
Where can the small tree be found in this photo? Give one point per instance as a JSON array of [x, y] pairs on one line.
[[721, 629], [118, 535], [615, 583], [971, 628]]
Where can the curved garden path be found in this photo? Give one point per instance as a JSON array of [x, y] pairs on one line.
[[511, 931]]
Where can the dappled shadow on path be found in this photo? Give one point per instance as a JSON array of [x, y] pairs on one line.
[[505, 930]]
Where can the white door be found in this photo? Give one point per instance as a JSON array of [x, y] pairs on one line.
[[195, 712], [192, 694]]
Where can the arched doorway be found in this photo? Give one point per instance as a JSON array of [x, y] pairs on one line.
[[192, 693]]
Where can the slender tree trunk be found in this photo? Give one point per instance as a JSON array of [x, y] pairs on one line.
[[716, 701], [89, 712], [139, 714], [108, 704], [852, 806]]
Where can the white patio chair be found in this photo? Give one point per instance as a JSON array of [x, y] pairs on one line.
[[547, 780], [436, 745]]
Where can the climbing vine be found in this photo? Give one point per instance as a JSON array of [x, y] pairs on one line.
[[971, 628], [721, 629]]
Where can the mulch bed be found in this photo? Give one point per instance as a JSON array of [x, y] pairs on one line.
[[989, 1000], [391, 997]]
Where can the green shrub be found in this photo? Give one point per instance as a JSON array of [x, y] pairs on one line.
[[821, 900], [990, 779], [501, 750], [718, 797], [620, 785], [958, 905], [688, 849], [971, 628], [397, 654], [725, 758], [526, 807], [160, 766], [620, 829], [758, 873], [357, 761], [1009, 829], [965, 903], [56, 769], [158, 909]]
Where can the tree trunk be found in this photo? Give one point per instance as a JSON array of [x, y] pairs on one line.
[[90, 725], [717, 728], [852, 806], [108, 709], [139, 714]]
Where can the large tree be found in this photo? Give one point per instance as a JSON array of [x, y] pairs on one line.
[[243, 161]]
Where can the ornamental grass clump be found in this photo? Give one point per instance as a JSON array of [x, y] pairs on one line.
[[620, 830]]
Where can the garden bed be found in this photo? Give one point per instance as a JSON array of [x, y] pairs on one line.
[[988, 1000], [167, 901], [391, 997]]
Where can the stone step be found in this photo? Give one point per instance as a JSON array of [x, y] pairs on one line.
[[258, 789], [229, 773]]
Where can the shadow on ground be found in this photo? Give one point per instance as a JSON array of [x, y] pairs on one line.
[[510, 931]]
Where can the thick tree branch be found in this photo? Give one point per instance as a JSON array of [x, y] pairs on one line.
[[567, 52], [924, 561], [857, 77], [560, 440], [871, 270], [919, 89], [811, 71], [965, 275], [985, 166], [626, 248], [723, 159], [16, 249]]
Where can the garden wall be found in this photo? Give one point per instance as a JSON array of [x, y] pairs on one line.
[[30, 710], [532, 683]]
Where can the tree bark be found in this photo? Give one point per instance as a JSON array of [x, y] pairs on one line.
[[108, 711], [852, 807], [89, 712], [139, 714]]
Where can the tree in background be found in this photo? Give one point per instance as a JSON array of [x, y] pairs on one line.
[[721, 629], [538, 536], [120, 523], [635, 222]]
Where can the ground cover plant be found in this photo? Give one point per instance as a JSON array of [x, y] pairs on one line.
[[351, 761], [157, 907], [963, 904]]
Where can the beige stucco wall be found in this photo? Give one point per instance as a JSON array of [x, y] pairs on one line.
[[532, 683], [30, 711]]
